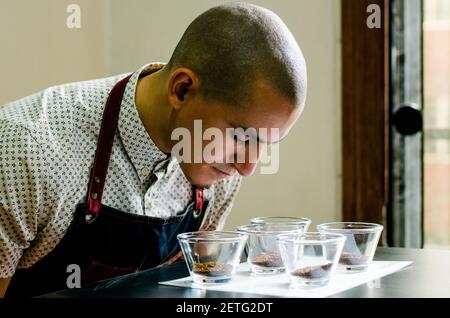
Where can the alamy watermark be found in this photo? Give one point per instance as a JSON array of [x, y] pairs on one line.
[[376, 283], [74, 278], [73, 20], [374, 19]]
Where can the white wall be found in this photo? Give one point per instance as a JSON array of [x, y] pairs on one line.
[[38, 50]]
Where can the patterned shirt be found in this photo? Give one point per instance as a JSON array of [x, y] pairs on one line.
[[47, 147]]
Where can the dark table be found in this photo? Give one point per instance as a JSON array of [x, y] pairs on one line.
[[428, 276]]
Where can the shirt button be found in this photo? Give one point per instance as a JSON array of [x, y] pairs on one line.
[[145, 171], [151, 204]]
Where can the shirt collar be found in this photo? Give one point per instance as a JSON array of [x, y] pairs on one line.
[[142, 151]]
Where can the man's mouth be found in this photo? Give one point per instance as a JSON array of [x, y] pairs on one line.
[[222, 173]]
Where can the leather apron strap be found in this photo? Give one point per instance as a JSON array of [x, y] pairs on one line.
[[104, 146]]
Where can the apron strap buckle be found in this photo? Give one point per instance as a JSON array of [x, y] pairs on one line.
[[199, 200], [89, 218]]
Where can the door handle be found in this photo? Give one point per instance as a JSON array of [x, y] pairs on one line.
[[408, 119]]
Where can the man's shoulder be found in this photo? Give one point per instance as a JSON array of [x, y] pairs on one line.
[[99, 87], [59, 98], [56, 110]]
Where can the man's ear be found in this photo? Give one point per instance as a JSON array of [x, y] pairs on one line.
[[182, 84]]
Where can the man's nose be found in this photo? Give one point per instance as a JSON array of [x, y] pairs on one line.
[[247, 168]]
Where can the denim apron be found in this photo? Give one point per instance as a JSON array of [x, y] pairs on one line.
[[105, 242]]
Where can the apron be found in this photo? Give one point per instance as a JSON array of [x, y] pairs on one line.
[[105, 242]]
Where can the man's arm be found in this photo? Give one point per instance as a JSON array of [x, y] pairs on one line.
[[21, 196], [4, 282]]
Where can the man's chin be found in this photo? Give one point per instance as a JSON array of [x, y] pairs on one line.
[[201, 177], [204, 186], [201, 182]]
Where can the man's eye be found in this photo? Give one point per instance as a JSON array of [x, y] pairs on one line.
[[241, 137]]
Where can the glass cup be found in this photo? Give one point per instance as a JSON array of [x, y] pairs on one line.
[[310, 258], [262, 247], [360, 244], [282, 220], [212, 256]]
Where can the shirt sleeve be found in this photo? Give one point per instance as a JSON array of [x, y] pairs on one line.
[[225, 193], [23, 182]]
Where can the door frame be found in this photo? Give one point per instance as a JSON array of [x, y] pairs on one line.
[[365, 112]]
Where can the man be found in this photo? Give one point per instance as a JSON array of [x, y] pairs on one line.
[[81, 187]]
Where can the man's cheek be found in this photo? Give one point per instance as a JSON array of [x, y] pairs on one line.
[[216, 151]]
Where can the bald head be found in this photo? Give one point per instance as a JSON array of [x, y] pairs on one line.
[[231, 46]]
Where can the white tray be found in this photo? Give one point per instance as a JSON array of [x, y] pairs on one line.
[[278, 284]]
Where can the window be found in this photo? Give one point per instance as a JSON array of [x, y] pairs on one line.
[[436, 57]]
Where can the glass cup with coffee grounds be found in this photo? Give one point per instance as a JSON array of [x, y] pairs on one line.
[[360, 244], [310, 258], [262, 247], [303, 222], [212, 256]]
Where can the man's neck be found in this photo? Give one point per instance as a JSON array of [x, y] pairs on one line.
[[151, 104]]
